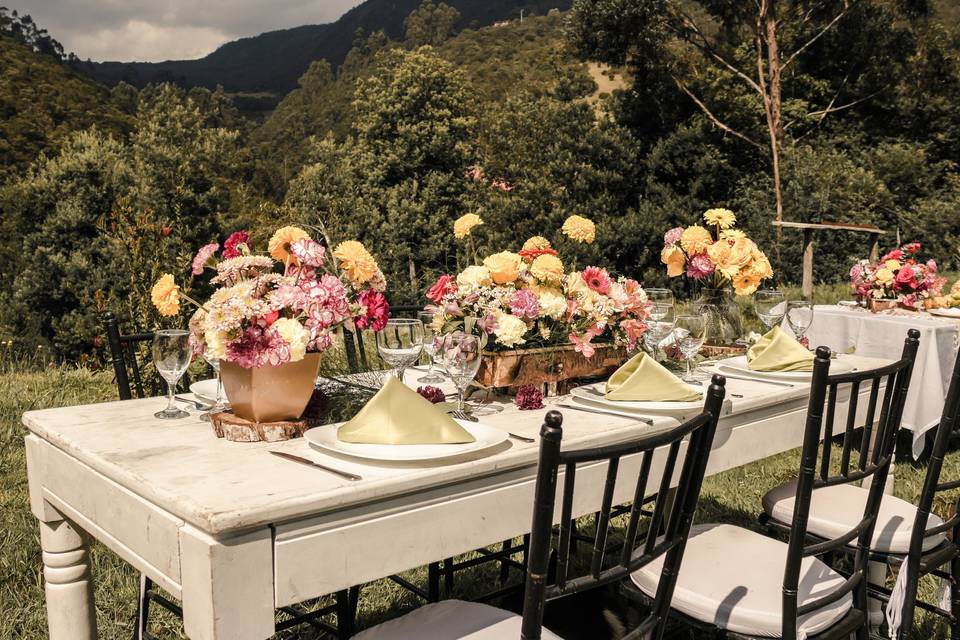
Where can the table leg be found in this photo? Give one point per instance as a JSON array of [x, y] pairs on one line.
[[68, 586]]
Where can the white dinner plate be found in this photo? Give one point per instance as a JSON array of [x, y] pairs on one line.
[[594, 394], [946, 313], [325, 437], [738, 365], [205, 390]]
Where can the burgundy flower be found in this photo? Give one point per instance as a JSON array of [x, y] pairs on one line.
[[433, 394], [231, 248], [529, 397], [377, 310]]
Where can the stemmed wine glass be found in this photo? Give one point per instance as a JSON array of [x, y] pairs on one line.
[[661, 324], [460, 353], [400, 343], [218, 404], [658, 298], [171, 357], [430, 340], [799, 317], [689, 334], [769, 307]]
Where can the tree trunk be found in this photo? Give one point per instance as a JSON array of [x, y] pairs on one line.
[[774, 104]]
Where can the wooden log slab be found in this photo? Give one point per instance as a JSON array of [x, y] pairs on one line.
[[237, 429]]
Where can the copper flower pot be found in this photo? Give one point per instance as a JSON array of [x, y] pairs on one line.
[[271, 394], [877, 305]]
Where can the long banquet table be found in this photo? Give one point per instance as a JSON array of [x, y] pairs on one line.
[[235, 532]]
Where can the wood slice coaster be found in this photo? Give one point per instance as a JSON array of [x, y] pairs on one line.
[[714, 351], [237, 429]]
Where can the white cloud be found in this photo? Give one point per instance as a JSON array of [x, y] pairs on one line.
[[139, 41]]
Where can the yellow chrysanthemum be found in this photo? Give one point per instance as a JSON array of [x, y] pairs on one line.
[[504, 266], [356, 262], [547, 268], [732, 234], [723, 218], [279, 245], [676, 262], [465, 224], [695, 239], [746, 282], [580, 229], [165, 296], [535, 243]]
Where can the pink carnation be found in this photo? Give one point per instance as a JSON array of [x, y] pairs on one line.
[[203, 256], [309, 253], [597, 279], [523, 304], [231, 248], [377, 311], [258, 347], [672, 236], [699, 266]]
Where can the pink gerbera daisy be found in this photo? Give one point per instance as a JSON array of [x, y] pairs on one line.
[[597, 279]]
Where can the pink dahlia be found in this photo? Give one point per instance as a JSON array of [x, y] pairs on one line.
[[672, 236], [444, 285], [699, 266], [597, 279], [231, 248], [376, 310], [309, 253], [203, 257], [523, 304]]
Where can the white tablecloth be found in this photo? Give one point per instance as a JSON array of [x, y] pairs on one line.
[[881, 335]]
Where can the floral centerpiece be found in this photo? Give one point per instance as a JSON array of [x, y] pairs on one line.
[[526, 301], [900, 277], [717, 256], [272, 314]]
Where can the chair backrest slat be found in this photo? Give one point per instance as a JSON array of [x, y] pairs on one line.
[[669, 544], [848, 431], [828, 434], [123, 357]]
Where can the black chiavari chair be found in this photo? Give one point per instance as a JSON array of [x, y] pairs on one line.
[[657, 536], [741, 584], [128, 367]]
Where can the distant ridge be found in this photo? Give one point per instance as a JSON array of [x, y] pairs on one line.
[[272, 62]]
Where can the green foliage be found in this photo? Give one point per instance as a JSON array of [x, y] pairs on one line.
[[430, 24]]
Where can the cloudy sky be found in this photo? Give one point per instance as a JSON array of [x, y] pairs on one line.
[[155, 30]]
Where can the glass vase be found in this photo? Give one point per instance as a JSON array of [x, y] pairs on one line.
[[724, 321]]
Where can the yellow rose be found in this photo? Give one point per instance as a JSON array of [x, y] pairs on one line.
[[504, 267], [535, 243], [547, 268], [165, 296], [465, 224], [356, 262], [695, 239], [719, 253], [884, 275], [893, 265], [745, 283], [580, 229], [279, 245], [472, 278], [723, 218], [761, 265], [676, 262]]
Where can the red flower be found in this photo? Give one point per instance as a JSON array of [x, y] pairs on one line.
[[912, 248], [231, 248], [532, 254], [165, 231], [896, 254], [377, 310], [529, 397], [271, 317], [445, 284], [906, 277]]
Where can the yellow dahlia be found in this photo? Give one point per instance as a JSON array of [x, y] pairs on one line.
[[504, 266], [279, 245], [580, 229], [356, 262], [695, 239], [547, 268], [535, 243], [166, 296], [723, 218], [465, 224]]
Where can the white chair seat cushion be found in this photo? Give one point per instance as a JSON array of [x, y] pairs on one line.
[[449, 620], [733, 578], [836, 510]]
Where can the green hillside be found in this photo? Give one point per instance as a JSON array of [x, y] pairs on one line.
[[42, 101]]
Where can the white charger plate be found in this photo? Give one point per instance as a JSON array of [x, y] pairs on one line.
[[485, 437], [205, 390], [738, 364], [594, 394], [946, 313]]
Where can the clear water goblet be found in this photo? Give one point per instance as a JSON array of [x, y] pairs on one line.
[[659, 301], [171, 357], [659, 326], [689, 333], [218, 404], [430, 341], [400, 343], [769, 306], [799, 317], [461, 354]]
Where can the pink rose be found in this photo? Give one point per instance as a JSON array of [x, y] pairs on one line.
[[445, 284]]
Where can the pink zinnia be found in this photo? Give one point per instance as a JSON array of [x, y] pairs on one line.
[[231, 248], [523, 304], [377, 311], [672, 236], [308, 252], [444, 285], [597, 279], [699, 266], [203, 257]]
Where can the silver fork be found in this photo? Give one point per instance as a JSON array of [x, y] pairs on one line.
[[199, 406], [462, 415]]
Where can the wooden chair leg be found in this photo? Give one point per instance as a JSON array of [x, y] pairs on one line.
[[345, 614], [143, 608], [433, 582], [955, 598], [504, 567]]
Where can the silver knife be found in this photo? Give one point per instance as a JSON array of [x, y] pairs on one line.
[[605, 412], [343, 474], [763, 380]]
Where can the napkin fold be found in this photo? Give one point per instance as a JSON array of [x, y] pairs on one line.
[[399, 415], [779, 351], [643, 379]]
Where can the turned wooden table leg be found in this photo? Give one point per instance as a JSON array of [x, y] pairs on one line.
[[69, 589]]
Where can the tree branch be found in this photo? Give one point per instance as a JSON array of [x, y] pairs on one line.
[[831, 109], [714, 119], [705, 47], [828, 27]]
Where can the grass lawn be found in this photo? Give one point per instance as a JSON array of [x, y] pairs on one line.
[[733, 497]]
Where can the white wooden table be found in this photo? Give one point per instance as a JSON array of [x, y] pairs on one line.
[[235, 532]]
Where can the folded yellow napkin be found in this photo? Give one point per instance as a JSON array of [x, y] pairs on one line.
[[778, 351], [643, 379], [399, 415]]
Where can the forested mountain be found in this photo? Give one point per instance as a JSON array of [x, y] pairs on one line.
[[273, 62]]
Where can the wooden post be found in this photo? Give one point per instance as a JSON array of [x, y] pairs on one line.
[[875, 247], [808, 263]]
